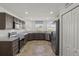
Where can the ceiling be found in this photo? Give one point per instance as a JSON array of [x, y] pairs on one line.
[[34, 11]]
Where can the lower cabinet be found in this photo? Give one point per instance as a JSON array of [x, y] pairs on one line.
[[9, 48], [38, 36], [21, 43], [25, 38]]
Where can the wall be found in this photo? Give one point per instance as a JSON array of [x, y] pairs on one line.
[[28, 26], [32, 26], [2, 9]]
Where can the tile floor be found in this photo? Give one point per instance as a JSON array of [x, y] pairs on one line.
[[37, 48]]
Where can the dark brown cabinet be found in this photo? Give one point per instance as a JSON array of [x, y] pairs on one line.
[[23, 41], [10, 22], [26, 38], [6, 21], [9, 48], [38, 36], [19, 24]]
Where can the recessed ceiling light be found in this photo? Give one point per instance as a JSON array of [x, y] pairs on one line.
[[48, 18], [31, 19], [51, 12], [26, 12]]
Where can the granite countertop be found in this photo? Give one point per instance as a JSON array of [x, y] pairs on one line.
[[8, 39], [21, 35], [25, 33], [13, 38]]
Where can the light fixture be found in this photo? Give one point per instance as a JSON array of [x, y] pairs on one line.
[[51, 12], [26, 12], [48, 18]]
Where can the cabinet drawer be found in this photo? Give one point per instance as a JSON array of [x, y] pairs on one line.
[[15, 41], [15, 51], [15, 44]]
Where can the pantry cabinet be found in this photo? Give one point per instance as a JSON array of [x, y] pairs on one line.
[[69, 33]]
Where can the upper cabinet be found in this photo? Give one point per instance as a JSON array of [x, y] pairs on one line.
[[19, 24], [6, 21], [10, 22]]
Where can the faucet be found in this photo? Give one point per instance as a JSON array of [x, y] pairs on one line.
[[9, 35]]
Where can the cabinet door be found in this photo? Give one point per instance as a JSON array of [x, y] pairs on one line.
[[2, 21], [9, 22]]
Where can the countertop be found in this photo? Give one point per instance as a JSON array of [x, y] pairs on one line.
[[21, 36], [12, 38], [8, 39]]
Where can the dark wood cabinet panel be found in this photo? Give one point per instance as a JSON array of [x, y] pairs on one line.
[[38, 36], [23, 41], [26, 38], [9, 48], [10, 22], [2, 21], [15, 46], [6, 21]]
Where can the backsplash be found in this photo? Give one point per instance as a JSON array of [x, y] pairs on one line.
[[4, 33]]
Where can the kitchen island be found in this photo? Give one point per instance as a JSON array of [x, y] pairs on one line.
[[9, 46]]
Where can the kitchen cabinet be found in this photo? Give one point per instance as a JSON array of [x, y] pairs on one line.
[[25, 38], [38, 36], [19, 24], [23, 25], [9, 48], [23, 41], [10, 22], [6, 21]]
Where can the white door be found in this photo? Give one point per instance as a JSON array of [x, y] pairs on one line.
[[75, 18], [70, 33], [66, 34]]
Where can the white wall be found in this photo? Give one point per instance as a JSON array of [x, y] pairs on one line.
[[2, 9], [31, 26]]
